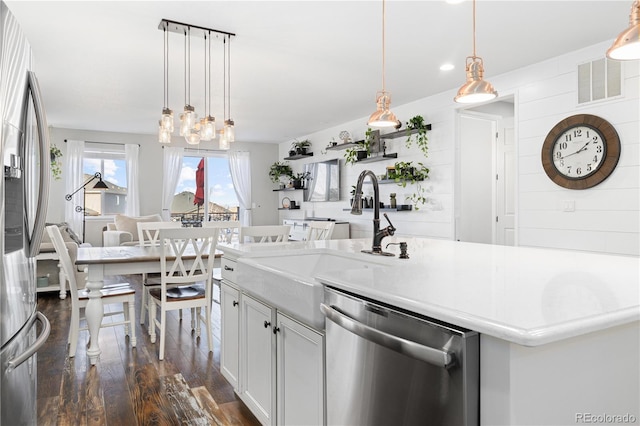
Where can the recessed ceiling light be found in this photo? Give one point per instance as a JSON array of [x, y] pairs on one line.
[[446, 67], [454, 1]]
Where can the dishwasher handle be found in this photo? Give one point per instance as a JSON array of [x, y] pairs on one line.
[[437, 357]]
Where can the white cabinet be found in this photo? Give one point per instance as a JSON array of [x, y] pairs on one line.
[[282, 366], [258, 359], [300, 373], [230, 334]]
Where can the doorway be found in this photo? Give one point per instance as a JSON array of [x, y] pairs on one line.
[[486, 172]]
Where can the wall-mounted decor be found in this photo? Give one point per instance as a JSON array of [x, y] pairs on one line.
[[580, 151]]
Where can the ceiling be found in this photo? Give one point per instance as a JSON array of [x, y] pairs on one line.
[[296, 66]]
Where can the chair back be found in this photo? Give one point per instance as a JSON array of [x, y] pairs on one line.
[[65, 260], [320, 230], [229, 229], [187, 256], [148, 232], [264, 234]]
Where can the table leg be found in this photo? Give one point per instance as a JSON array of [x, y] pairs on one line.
[[94, 312]]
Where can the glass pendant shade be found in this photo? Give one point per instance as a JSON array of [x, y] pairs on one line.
[[210, 127], [626, 47], [383, 117], [164, 135], [224, 143], [229, 131], [476, 89], [167, 119], [192, 137]]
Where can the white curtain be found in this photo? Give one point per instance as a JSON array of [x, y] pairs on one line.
[[240, 168], [74, 179], [172, 166], [133, 188]]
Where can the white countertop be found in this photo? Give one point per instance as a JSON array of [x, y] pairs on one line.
[[527, 296]]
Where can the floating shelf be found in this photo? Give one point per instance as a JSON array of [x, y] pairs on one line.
[[401, 133], [400, 208], [287, 189], [299, 156], [378, 158], [342, 146]]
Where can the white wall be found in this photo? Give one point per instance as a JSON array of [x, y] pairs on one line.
[[606, 217], [262, 156]]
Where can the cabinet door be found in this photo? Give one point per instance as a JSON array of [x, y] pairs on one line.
[[230, 334], [258, 359], [300, 374]]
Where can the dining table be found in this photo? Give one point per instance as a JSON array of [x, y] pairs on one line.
[[102, 262]]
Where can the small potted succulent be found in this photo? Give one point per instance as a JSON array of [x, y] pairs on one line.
[[300, 147], [298, 179]]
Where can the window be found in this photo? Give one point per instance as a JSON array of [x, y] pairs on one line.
[[217, 200], [110, 163]]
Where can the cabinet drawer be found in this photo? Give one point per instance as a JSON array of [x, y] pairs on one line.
[[229, 269]]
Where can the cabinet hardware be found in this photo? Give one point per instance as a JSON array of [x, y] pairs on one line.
[[235, 303], [226, 268], [276, 329], [266, 324]]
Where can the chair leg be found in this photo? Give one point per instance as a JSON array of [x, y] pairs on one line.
[[209, 326], [152, 321], [193, 319], [127, 317], [132, 322], [163, 317], [73, 331]]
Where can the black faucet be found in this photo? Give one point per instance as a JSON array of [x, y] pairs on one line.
[[356, 208]]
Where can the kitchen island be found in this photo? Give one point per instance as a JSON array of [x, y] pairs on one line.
[[560, 335]]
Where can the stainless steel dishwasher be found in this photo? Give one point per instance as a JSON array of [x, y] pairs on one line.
[[386, 366]]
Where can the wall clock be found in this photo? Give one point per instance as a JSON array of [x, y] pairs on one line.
[[580, 151]]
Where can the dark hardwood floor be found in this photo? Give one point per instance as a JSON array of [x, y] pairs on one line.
[[129, 386]]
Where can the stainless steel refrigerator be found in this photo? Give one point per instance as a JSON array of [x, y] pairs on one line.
[[24, 193]]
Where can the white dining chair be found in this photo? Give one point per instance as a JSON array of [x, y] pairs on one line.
[[319, 230], [264, 233], [122, 294], [186, 261], [148, 236], [229, 229]]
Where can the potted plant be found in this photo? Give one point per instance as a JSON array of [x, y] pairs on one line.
[[56, 163], [361, 150], [417, 123], [279, 170], [300, 146], [298, 179], [406, 172]]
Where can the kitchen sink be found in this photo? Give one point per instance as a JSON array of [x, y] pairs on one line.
[[287, 281]]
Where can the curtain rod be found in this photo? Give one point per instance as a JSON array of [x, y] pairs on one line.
[[107, 143], [201, 149]]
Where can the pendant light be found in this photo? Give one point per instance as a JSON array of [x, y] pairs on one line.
[[383, 117], [207, 124], [166, 121], [224, 143], [476, 89], [229, 130], [627, 46], [189, 118]]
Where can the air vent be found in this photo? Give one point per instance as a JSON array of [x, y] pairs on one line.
[[600, 79]]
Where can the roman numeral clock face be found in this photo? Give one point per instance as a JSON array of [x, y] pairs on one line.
[[580, 151]]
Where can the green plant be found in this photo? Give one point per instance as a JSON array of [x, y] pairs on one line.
[[300, 147], [421, 139], [56, 164], [406, 172], [300, 176], [279, 169], [351, 154]]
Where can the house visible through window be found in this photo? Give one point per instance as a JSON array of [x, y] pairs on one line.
[[206, 195], [110, 163]]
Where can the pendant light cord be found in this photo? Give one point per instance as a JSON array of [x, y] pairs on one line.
[[209, 72], [383, 46], [205, 74], [164, 63], [474, 29], [229, 76], [189, 85], [185, 68], [224, 83]]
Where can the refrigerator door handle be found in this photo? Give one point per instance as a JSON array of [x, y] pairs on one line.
[[43, 139], [44, 335]]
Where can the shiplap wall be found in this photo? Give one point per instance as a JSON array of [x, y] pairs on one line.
[[606, 218]]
